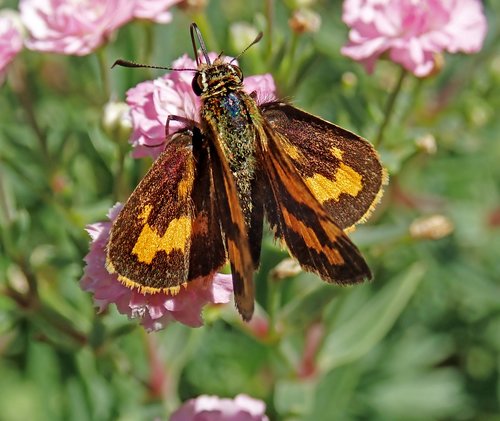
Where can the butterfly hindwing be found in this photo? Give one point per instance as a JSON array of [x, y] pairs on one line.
[[208, 252], [155, 241], [341, 169], [298, 218]]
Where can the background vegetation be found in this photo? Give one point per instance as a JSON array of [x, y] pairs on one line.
[[420, 342]]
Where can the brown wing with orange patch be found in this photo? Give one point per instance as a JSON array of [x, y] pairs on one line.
[[341, 169], [299, 219], [160, 238]]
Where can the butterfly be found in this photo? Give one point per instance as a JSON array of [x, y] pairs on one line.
[[204, 200]]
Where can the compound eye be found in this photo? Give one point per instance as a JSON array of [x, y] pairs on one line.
[[239, 73], [197, 84]]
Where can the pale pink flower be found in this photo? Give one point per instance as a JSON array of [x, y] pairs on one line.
[[152, 101], [155, 10], [73, 27], [412, 32], [153, 310], [213, 408], [11, 41]]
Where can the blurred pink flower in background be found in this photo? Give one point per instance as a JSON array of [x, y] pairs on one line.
[[80, 27], [155, 10], [213, 408], [412, 32], [11, 40], [152, 101], [72, 27], [153, 310]]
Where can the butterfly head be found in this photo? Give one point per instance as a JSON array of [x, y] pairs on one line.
[[214, 78]]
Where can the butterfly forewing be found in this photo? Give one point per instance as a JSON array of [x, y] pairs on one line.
[[299, 220], [155, 241], [237, 243], [341, 169]]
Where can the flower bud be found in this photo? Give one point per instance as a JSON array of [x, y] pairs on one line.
[[349, 79], [193, 6], [116, 120], [431, 227], [286, 269], [427, 144], [304, 20]]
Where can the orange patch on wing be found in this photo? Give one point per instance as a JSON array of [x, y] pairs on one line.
[[337, 153], [311, 239], [176, 237], [291, 150], [185, 186], [347, 181]]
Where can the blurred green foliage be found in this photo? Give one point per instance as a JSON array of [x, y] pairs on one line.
[[421, 342]]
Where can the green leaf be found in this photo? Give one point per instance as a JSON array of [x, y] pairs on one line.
[[370, 323]]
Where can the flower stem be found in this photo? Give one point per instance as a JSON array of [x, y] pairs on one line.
[[389, 107], [19, 82], [120, 185], [269, 12], [104, 71], [273, 302]]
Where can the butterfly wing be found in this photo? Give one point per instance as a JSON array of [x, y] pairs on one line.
[[341, 169], [159, 239], [233, 226], [300, 220]]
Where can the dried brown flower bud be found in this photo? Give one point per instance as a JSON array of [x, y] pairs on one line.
[[431, 227], [304, 20], [286, 269]]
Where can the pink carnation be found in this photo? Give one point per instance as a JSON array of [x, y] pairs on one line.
[[412, 32], [208, 408], [73, 27], [11, 42], [153, 310], [151, 103], [155, 10]]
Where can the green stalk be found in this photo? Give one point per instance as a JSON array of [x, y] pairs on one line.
[[269, 13], [104, 72], [389, 108]]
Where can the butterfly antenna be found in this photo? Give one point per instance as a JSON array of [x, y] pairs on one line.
[[196, 33], [255, 41], [126, 63]]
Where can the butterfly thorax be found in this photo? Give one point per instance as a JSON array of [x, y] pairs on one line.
[[228, 114]]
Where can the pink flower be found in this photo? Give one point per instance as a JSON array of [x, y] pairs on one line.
[[73, 27], [153, 310], [151, 103], [412, 32], [11, 41], [155, 10], [213, 408]]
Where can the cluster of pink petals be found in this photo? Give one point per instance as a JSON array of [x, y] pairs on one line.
[[153, 310], [151, 103], [412, 32], [80, 27], [208, 408], [154, 10], [11, 42]]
